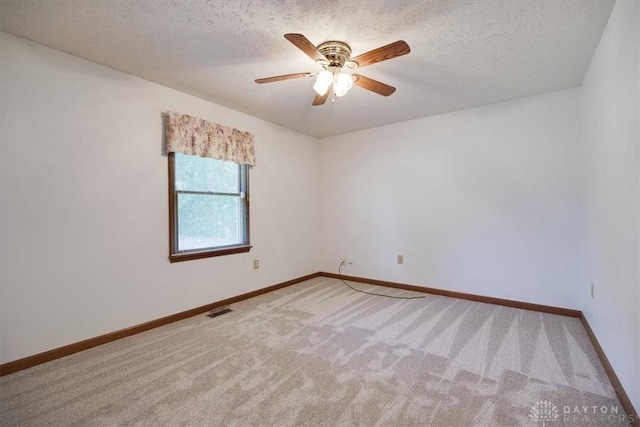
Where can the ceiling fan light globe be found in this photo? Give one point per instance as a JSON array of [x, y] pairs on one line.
[[325, 77], [324, 80], [339, 93], [343, 83], [320, 88]]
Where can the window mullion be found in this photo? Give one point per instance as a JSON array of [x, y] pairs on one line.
[[208, 193]]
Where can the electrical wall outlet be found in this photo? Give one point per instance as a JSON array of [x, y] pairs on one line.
[[256, 264], [346, 261], [593, 290], [400, 259]]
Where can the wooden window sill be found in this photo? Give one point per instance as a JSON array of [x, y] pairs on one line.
[[208, 253]]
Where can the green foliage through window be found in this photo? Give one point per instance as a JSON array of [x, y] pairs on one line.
[[210, 204]]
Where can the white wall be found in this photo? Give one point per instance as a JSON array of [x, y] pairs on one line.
[[83, 184], [611, 118], [485, 201]]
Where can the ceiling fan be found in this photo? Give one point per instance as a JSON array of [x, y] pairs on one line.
[[334, 56]]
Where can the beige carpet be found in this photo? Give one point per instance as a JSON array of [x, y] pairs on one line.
[[317, 353]]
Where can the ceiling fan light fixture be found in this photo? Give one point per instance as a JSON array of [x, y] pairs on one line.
[[334, 56], [324, 80], [343, 83]]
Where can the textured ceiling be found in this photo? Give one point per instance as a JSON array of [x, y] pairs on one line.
[[463, 53]]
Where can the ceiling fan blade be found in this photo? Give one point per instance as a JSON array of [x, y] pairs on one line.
[[284, 77], [383, 53], [302, 43], [321, 99], [373, 85]]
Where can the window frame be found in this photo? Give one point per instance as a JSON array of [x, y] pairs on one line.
[[177, 256]]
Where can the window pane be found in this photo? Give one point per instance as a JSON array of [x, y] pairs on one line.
[[207, 221], [195, 173]]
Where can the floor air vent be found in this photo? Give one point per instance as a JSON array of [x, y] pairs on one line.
[[219, 311]]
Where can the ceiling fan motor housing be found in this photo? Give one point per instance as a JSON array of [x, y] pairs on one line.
[[337, 53]]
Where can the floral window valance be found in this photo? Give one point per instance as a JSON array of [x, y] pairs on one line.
[[194, 136]]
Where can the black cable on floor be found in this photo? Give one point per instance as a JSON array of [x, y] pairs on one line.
[[372, 293]]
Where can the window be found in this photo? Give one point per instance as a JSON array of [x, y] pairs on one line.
[[208, 207]]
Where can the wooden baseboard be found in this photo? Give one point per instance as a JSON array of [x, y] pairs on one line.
[[47, 356], [460, 295], [613, 378]]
